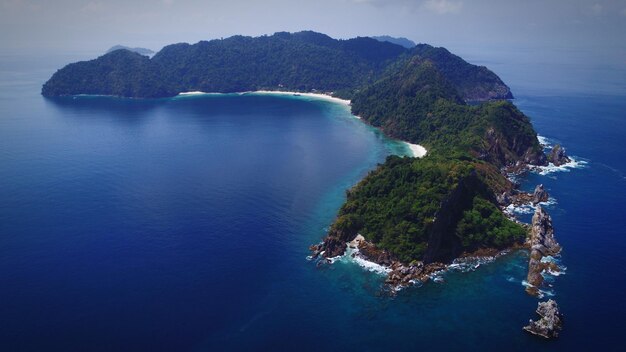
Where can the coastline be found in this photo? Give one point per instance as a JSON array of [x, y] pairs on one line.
[[416, 150]]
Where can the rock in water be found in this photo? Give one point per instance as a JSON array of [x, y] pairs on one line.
[[551, 321], [542, 244], [557, 156], [540, 194], [542, 233]]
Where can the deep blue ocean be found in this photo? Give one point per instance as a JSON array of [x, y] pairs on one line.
[[184, 224]]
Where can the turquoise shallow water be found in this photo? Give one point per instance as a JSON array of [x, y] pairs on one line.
[[184, 224]]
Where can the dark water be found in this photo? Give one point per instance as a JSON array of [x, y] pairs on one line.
[[183, 224]]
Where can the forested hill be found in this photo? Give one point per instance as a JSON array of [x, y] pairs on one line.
[[416, 102], [302, 61]]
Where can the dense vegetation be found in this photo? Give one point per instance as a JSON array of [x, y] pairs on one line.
[[302, 61], [435, 208], [474, 83], [401, 206], [484, 225], [415, 102], [429, 209], [120, 73]]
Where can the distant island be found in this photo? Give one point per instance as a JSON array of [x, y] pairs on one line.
[[413, 216], [407, 43], [141, 51], [303, 61]]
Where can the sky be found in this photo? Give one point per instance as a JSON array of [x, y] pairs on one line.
[[593, 26]]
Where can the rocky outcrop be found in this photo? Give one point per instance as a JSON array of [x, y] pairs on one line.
[[558, 156], [518, 198], [550, 323], [504, 199], [516, 153], [344, 230], [330, 247], [542, 244], [401, 274], [371, 253], [540, 195]]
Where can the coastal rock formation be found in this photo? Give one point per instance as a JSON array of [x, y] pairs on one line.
[[550, 323], [514, 151], [519, 198], [540, 195], [399, 274], [405, 275], [558, 156], [368, 251], [542, 244], [504, 199], [331, 247]]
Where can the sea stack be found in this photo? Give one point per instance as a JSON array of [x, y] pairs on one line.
[[540, 195], [550, 323], [558, 156], [542, 244]]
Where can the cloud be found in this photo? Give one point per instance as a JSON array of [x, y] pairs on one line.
[[443, 7]]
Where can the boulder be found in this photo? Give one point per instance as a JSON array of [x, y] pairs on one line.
[[558, 156]]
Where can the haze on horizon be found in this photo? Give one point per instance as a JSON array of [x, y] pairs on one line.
[[71, 25]]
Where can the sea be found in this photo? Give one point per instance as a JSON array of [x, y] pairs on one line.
[[183, 224]]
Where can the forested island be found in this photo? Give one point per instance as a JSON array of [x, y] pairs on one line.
[[412, 215], [142, 51]]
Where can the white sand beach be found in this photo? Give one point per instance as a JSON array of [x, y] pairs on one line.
[[311, 95], [321, 96], [417, 150]]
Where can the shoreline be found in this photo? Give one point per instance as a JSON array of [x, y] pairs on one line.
[[416, 150], [400, 275], [320, 96]]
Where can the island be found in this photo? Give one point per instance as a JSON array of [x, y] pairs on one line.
[[405, 42], [141, 51], [412, 216]]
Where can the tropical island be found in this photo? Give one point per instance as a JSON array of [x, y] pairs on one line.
[[414, 216]]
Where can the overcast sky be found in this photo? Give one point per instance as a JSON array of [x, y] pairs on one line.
[[594, 25]]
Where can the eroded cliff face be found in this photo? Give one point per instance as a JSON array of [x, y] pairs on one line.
[[513, 152], [443, 244]]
